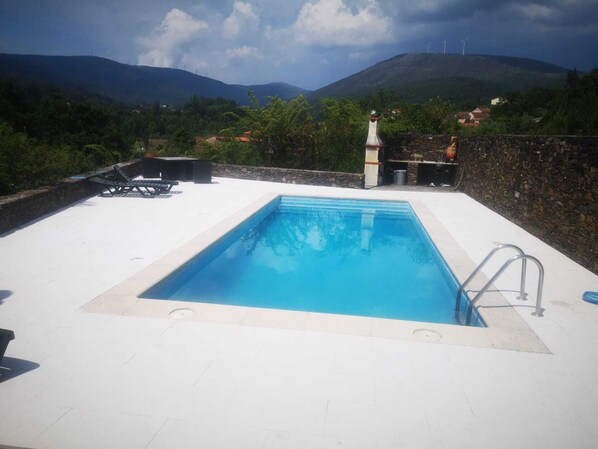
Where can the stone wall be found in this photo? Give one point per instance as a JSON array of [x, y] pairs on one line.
[[547, 185], [23, 207], [429, 147], [290, 176], [423, 147]]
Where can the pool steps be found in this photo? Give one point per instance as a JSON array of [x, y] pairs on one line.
[[538, 311]]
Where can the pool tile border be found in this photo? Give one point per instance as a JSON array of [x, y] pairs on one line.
[[506, 328]]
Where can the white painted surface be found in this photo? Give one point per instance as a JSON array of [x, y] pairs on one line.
[[371, 168], [125, 381], [372, 154], [373, 138]]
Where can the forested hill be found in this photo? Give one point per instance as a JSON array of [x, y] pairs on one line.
[[419, 77], [131, 84]]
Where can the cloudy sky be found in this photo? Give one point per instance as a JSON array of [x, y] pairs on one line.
[[308, 43]]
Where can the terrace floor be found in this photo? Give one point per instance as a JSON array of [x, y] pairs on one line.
[[73, 378]]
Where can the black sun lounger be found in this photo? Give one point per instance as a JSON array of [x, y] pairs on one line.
[[145, 188], [5, 337], [121, 175]]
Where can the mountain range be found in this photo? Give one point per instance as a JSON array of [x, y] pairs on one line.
[[421, 76], [129, 83], [413, 77]]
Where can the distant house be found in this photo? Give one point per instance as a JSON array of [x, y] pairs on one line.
[[246, 137], [473, 118], [462, 117], [479, 114]]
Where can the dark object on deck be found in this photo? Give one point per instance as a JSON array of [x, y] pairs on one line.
[[150, 167], [121, 175], [437, 173], [145, 188], [5, 337], [202, 171], [400, 177], [179, 168]]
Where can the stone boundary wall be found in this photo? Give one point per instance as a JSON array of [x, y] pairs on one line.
[[23, 207], [430, 147], [290, 176], [546, 185]]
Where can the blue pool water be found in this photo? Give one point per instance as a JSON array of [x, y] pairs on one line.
[[352, 257]]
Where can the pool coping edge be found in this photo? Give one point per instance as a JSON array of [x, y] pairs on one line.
[[506, 328]]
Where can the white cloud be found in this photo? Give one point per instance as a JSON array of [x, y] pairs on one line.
[[243, 53], [164, 44], [331, 23], [243, 19], [245, 43], [196, 63], [358, 56], [156, 58], [534, 11]]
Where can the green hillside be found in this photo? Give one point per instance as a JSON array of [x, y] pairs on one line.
[[130, 84], [418, 77]]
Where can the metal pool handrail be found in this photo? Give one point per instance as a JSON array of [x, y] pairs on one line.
[[538, 310], [522, 294]]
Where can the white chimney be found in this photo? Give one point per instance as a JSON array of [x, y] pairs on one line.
[[373, 154]]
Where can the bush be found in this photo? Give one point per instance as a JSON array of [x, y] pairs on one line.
[[341, 136], [18, 160], [26, 163]]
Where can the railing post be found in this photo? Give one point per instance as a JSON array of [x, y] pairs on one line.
[[522, 294], [538, 309], [539, 312]]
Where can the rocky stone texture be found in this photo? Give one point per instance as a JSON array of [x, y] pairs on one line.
[[18, 209], [290, 176], [547, 185], [412, 174], [428, 147], [425, 147]]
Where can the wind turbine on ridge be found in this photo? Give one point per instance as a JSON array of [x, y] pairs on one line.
[[464, 40]]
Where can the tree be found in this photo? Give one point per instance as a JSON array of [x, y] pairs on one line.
[[341, 136], [572, 78], [432, 117], [25, 163], [572, 110], [383, 101], [181, 142], [282, 131]]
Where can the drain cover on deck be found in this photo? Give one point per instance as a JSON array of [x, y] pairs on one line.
[[180, 314], [427, 335]]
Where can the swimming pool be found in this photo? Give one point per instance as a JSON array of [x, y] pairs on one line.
[[352, 257]]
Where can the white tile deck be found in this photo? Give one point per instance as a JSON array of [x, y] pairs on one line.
[[144, 380]]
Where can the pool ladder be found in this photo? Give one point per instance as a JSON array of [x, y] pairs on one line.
[[522, 295]]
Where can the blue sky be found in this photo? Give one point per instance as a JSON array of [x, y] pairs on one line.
[[308, 43]]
